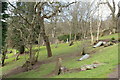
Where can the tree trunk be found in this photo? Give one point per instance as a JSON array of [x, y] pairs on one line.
[[84, 35], [118, 24], [70, 37], [17, 57], [22, 49], [46, 40], [53, 35], [32, 56], [91, 33], [74, 37], [38, 49], [3, 56], [28, 65], [114, 21], [47, 45], [98, 30]]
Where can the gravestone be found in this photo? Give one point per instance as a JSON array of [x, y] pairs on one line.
[[67, 40]]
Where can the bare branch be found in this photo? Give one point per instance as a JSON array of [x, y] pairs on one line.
[[20, 14], [36, 5], [114, 5], [111, 8], [102, 3], [58, 9]]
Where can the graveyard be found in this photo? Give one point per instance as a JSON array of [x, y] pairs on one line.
[[45, 68], [63, 39]]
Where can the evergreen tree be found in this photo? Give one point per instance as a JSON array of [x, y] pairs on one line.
[[4, 30], [4, 24]]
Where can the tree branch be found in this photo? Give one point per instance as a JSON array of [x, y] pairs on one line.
[[58, 9], [114, 5], [111, 8], [20, 14]]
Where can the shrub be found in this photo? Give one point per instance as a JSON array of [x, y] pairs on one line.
[[65, 37], [119, 39], [112, 38]]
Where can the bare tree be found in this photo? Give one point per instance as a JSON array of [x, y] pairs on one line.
[[47, 13], [112, 9], [91, 13], [99, 23], [34, 17]]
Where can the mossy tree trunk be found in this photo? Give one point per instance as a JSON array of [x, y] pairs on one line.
[[3, 56], [22, 49], [45, 37]]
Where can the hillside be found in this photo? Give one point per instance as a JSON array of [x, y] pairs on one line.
[[69, 55]]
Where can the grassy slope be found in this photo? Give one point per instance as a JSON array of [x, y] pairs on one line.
[[110, 36], [108, 54], [62, 48]]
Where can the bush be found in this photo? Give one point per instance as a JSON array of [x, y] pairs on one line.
[[112, 38], [65, 37], [119, 39]]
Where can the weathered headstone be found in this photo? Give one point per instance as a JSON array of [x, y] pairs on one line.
[[89, 67], [83, 68], [84, 57], [67, 40], [98, 44]]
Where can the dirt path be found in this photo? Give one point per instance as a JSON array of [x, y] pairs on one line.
[[115, 73]]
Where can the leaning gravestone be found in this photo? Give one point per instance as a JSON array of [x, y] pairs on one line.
[[67, 40], [98, 44], [84, 57]]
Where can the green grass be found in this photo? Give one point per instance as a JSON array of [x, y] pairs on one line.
[[108, 54], [10, 64], [111, 36], [63, 48], [39, 73]]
